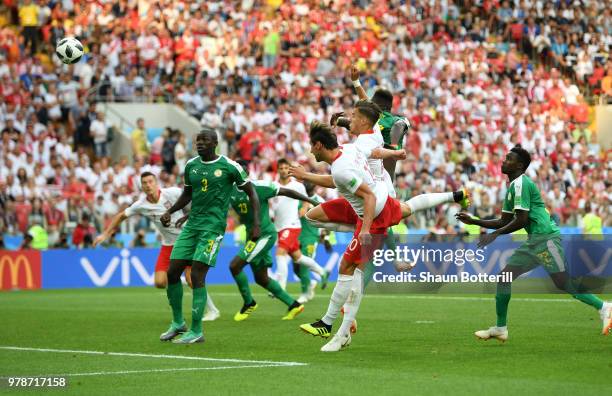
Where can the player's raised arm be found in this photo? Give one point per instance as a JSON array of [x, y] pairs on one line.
[[320, 180], [296, 195], [383, 153], [115, 222], [357, 84], [180, 203], [254, 200]]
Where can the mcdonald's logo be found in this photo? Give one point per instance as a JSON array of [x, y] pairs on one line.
[[20, 270]]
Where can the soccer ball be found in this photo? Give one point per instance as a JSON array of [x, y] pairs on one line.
[[69, 50]]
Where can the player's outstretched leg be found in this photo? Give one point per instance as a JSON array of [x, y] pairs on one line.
[[174, 291], [426, 201], [249, 304], [312, 265], [565, 283], [263, 280], [198, 277]]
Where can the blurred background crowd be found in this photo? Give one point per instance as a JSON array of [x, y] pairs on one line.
[[473, 77]]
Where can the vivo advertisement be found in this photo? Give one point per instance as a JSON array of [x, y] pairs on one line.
[[58, 269]]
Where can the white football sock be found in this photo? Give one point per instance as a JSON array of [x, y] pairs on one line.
[[351, 307], [311, 264], [426, 201], [282, 270], [210, 305], [338, 298]]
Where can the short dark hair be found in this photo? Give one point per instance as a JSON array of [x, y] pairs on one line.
[[383, 98], [321, 132], [208, 130], [146, 174], [369, 109], [282, 161], [523, 155]]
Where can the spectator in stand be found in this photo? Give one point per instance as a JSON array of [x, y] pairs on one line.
[[28, 18], [99, 133], [140, 145], [83, 233]]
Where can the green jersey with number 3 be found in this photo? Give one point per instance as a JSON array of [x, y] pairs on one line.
[[212, 183], [523, 194], [240, 202]]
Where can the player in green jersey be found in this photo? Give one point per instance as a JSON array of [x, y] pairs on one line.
[[523, 207], [209, 181], [309, 239], [258, 253]]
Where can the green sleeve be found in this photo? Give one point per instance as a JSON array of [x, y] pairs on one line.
[[239, 175], [508, 200], [266, 190], [186, 174], [522, 194]]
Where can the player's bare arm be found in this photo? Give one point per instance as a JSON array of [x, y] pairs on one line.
[[180, 203], [490, 224], [254, 200], [383, 153], [296, 195], [519, 220], [369, 208], [320, 180], [115, 222], [358, 88]]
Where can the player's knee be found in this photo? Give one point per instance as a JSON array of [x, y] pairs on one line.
[[174, 275], [262, 279], [161, 284]]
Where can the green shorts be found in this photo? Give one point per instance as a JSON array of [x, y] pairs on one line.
[[258, 254], [309, 247], [544, 251], [197, 245]]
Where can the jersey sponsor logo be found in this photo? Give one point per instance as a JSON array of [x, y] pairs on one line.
[[23, 270], [353, 182], [125, 261], [218, 173]]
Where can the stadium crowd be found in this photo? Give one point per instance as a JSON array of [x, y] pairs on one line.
[[473, 78]]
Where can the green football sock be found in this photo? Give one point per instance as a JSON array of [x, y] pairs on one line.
[[197, 311], [174, 291], [277, 290], [368, 272], [304, 275], [586, 298], [243, 286], [502, 299], [390, 239]]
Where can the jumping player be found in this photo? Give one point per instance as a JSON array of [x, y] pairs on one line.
[[364, 203]]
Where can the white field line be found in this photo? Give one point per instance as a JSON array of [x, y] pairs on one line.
[[145, 355], [100, 373]]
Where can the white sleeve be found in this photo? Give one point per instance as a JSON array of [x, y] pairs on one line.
[[133, 209], [174, 193], [366, 145], [348, 179]]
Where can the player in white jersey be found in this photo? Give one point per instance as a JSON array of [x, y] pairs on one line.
[[152, 205], [288, 226], [366, 204]]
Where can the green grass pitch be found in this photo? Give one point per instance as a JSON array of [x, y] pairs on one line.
[[421, 345]]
